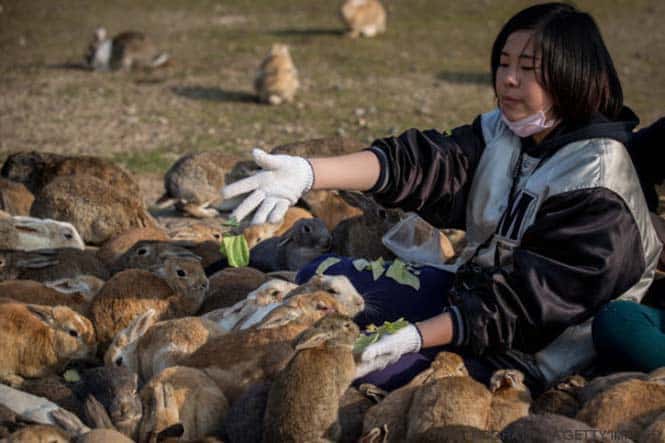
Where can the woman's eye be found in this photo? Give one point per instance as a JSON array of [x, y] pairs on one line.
[[527, 68]]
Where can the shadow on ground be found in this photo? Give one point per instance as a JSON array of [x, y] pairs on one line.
[[314, 32], [461, 77], [213, 94]]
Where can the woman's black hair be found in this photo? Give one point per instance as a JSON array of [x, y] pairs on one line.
[[577, 70]]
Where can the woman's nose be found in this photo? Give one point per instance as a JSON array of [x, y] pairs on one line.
[[511, 77]]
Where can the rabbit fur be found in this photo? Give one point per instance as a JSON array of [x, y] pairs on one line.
[[365, 18], [127, 50], [116, 246], [39, 340], [276, 80], [511, 399], [28, 234], [15, 198], [230, 286], [47, 265], [75, 293], [146, 254], [175, 288], [147, 347], [300, 407]]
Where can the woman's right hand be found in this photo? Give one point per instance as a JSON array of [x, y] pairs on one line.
[[280, 183]]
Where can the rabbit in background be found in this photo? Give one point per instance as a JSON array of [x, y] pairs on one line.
[[277, 81], [365, 18], [126, 51]]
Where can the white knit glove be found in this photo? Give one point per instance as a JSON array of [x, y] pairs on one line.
[[280, 184], [388, 350]]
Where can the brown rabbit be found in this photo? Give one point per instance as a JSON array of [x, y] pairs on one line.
[[511, 398], [197, 232], [36, 169], [39, 340], [96, 209], [127, 50], [365, 18], [193, 183], [330, 207], [146, 347], [75, 293], [562, 398], [553, 428], [239, 359], [146, 254], [48, 265], [39, 434], [255, 234], [175, 288], [182, 395], [277, 78], [230, 286], [320, 147], [300, 407], [391, 412], [118, 245], [15, 198]]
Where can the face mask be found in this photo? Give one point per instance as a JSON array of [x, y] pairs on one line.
[[530, 125]]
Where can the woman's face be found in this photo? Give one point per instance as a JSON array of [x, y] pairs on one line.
[[518, 79]]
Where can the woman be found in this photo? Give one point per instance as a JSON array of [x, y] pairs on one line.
[[555, 218]]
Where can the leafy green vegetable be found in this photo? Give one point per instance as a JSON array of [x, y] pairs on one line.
[[71, 375], [235, 249], [325, 264], [378, 268], [376, 333], [360, 264], [399, 272], [231, 222]]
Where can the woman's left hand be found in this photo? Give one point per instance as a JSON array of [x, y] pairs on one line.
[[388, 350]]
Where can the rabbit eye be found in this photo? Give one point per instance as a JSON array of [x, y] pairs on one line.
[[331, 291], [68, 235], [217, 236], [274, 293], [118, 361], [73, 333], [142, 251], [307, 229], [382, 213], [181, 273], [2, 261]]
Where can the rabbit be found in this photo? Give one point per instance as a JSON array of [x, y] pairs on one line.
[[230, 286], [96, 209], [627, 407], [23, 233], [255, 234], [146, 347], [146, 254], [300, 407], [553, 428], [75, 293], [276, 80], [306, 240], [511, 398], [241, 358], [36, 169], [454, 433], [320, 147], [55, 389], [365, 18], [361, 236], [193, 183], [127, 50], [48, 265], [352, 408], [15, 198], [39, 434], [655, 432], [197, 232], [182, 395], [175, 288], [600, 384], [115, 388], [391, 412], [330, 207], [103, 436], [252, 308], [244, 421], [121, 243], [562, 398], [339, 286], [39, 340]]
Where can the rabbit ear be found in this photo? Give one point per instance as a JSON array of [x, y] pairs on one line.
[[36, 263], [286, 237], [312, 338], [68, 422], [279, 317], [100, 34], [95, 414], [44, 313], [29, 225], [141, 324], [67, 285], [173, 431]]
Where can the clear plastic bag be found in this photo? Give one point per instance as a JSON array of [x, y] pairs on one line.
[[414, 240]]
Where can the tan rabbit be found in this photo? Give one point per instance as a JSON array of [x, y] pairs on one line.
[[511, 398], [627, 407], [36, 169], [146, 347], [75, 293], [39, 434], [197, 232], [230, 286], [365, 18], [127, 50], [193, 183], [175, 288], [339, 286], [15, 198], [391, 412], [23, 233], [182, 395], [38, 340], [276, 80], [253, 308], [562, 398], [456, 434], [241, 358], [113, 248], [300, 407], [97, 210], [103, 436], [255, 234], [599, 384], [47, 265], [146, 254], [330, 207], [553, 428]]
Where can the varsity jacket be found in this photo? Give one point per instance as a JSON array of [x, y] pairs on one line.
[[554, 230]]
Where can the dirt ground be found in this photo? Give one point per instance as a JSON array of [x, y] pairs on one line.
[[428, 70]]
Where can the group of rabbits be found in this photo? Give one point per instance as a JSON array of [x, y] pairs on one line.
[[276, 79]]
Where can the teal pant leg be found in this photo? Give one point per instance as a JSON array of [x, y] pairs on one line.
[[630, 335]]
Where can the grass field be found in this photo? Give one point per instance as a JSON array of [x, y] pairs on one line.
[[428, 70]]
